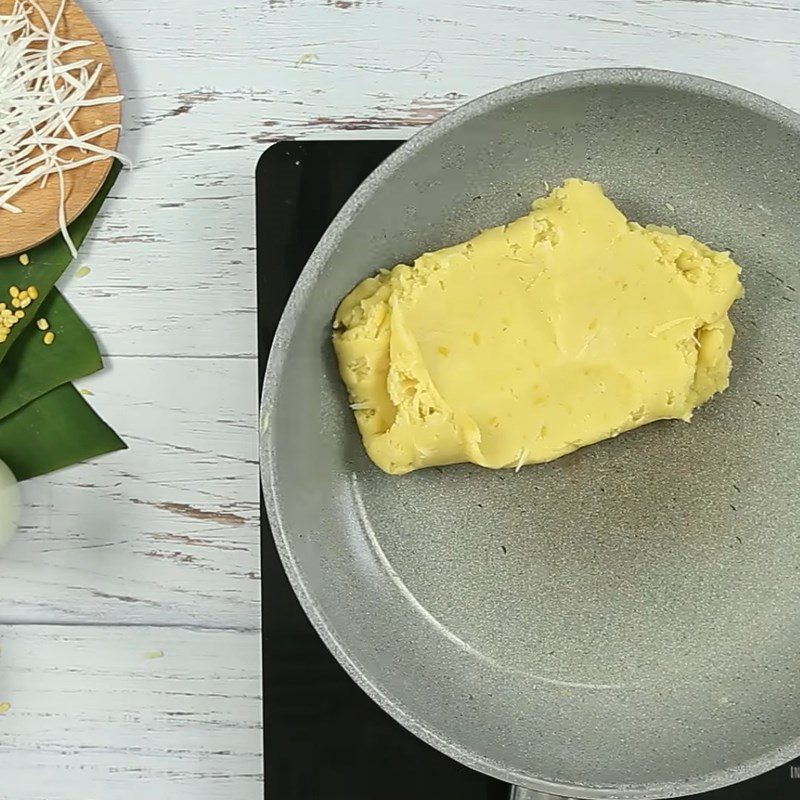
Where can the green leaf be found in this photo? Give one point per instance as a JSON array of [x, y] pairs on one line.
[[47, 262], [45, 424], [54, 431], [33, 368]]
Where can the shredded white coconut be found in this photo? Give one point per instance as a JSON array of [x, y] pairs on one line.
[[40, 93]]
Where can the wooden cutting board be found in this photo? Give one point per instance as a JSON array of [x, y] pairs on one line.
[[39, 220]]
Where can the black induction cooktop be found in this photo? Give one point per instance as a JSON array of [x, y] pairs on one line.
[[324, 738]]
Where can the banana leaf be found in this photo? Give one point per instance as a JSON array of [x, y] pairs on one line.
[[32, 368], [52, 432], [47, 263]]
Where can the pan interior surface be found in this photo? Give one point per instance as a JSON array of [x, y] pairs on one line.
[[622, 620]]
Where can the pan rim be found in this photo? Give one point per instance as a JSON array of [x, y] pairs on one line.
[[546, 84]]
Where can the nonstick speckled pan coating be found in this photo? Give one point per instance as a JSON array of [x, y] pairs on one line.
[[623, 622]]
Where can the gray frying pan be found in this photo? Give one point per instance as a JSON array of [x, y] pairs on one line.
[[620, 623]]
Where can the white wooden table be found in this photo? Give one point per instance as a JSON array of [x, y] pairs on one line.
[[129, 602]]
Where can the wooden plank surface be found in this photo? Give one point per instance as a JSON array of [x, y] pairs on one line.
[[120, 713], [163, 533], [167, 533]]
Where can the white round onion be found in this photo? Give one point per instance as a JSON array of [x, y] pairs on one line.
[[9, 504]]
